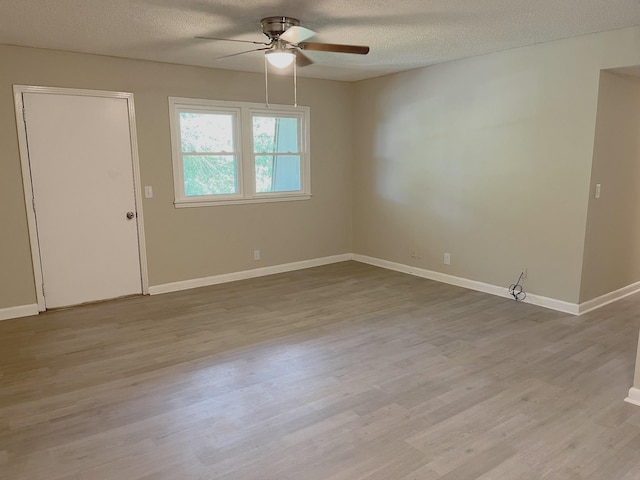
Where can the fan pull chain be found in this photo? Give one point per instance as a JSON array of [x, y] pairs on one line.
[[295, 81], [266, 81]]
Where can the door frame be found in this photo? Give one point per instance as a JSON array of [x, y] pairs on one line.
[[18, 91]]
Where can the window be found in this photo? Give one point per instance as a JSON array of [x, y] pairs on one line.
[[276, 153], [208, 153], [232, 152]]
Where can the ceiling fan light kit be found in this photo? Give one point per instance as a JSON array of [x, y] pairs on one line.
[[281, 56]]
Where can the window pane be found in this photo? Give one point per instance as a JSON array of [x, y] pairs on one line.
[[273, 135], [277, 173], [206, 132], [209, 175]]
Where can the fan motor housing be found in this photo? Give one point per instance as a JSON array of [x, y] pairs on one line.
[[273, 27]]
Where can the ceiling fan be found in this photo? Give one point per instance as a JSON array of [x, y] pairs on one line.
[[287, 40]]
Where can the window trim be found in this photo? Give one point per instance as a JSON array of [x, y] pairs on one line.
[[243, 134]]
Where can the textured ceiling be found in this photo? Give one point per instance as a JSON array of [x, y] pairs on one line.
[[402, 34]]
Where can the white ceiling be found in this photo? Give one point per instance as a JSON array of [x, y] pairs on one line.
[[402, 34]]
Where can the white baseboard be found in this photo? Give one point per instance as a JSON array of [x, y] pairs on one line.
[[634, 396], [547, 302], [539, 300], [608, 298], [243, 275], [19, 311]]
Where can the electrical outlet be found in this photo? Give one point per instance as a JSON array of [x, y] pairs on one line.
[[447, 259], [256, 255]]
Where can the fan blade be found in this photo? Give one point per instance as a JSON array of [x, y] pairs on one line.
[[297, 34], [333, 47], [232, 40], [242, 53], [302, 60]]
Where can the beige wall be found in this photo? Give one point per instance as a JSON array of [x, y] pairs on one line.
[[191, 242], [612, 242], [487, 158]]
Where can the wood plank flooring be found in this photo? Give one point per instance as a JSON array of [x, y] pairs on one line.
[[341, 372]]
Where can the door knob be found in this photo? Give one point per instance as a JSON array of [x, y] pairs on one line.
[[130, 215]]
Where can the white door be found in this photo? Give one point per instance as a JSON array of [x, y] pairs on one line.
[[83, 189]]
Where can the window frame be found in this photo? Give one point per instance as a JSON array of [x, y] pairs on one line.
[[244, 151]]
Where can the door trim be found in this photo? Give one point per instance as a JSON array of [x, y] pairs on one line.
[[18, 90]]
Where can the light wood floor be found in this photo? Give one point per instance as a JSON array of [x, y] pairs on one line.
[[338, 372]]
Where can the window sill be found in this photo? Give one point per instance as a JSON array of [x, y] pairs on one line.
[[240, 201]]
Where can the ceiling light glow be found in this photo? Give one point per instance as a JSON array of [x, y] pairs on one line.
[[279, 58]]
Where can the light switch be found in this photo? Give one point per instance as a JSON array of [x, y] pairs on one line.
[[148, 191], [597, 190]]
